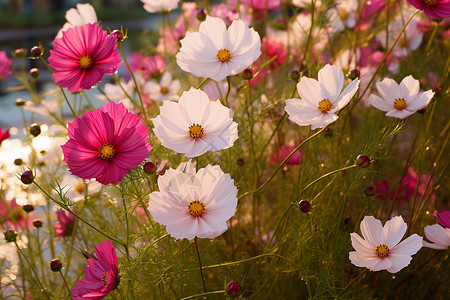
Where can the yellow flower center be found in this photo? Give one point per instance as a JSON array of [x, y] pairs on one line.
[[196, 131], [430, 2], [164, 90], [382, 251], [324, 106], [107, 151], [343, 14], [78, 188], [400, 104], [403, 42], [105, 279], [85, 62], [223, 55], [196, 208]]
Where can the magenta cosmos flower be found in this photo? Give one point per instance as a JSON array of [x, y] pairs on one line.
[[106, 143], [5, 65], [82, 56], [3, 135], [102, 274], [64, 226], [435, 9]]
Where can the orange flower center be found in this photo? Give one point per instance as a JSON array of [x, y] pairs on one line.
[[324, 106], [196, 208], [85, 62], [400, 104], [164, 90], [223, 55], [78, 188], [382, 251], [343, 14], [107, 151], [196, 131]]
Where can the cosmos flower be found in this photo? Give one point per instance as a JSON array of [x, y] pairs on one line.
[[166, 89], [257, 4], [80, 16], [193, 205], [381, 248], [82, 56], [5, 65], [153, 6], [216, 52], [320, 99], [101, 275], [106, 143], [435, 9], [195, 125], [400, 100], [282, 152], [438, 235], [444, 218], [12, 215], [343, 15], [64, 226], [147, 66], [3, 135]]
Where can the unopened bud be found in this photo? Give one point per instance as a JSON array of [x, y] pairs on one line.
[[28, 207], [20, 52], [149, 167], [18, 161], [27, 177], [304, 206], [34, 73], [37, 223], [20, 102], [369, 190], [55, 265], [363, 161], [353, 74], [240, 161], [35, 129], [247, 74], [10, 236], [118, 34], [36, 51], [328, 132], [201, 14], [294, 75], [233, 289]]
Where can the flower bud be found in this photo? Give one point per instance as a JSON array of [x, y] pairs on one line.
[[28, 207], [34, 73], [20, 102], [240, 161], [10, 235], [20, 52], [118, 34], [304, 206], [36, 51], [18, 161], [369, 190], [149, 167], [55, 265], [247, 74], [27, 177], [294, 75], [35, 129], [233, 288], [328, 132], [37, 223], [201, 14], [353, 74], [363, 161]]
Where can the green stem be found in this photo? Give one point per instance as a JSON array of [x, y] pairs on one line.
[[204, 81], [65, 282], [353, 281], [200, 264], [125, 211], [203, 294], [40, 254]]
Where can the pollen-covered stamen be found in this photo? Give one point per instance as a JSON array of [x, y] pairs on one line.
[[223, 55], [343, 14], [105, 279], [107, 151], [78, 188], [164, 90], [196, 131], [382, 251], [400, 104], [196, 208], [430, 2], [85, 62], [324, 106]]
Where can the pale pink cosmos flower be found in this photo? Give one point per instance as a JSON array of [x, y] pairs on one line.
[[439, 234], [106, 143], [80, 16], [5, 65], [381, 248], [154, 6], [194, 204], [147, 66], [101, 276], [82, 56], [435, 9], [13, 216], [166, 89]]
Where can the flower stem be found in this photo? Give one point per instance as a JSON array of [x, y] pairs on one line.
[[32, 268], [204, 81], [353, 281], [65, 282], [200, 264], [203, 294]]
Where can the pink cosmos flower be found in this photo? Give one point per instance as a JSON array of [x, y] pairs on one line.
[[106, 143], [82, 56], [5, 65], [444, 218], [258, 4], [282, 152], [64, 226], [3, 135], [225, 13], [101, 275], [147, 66], [270, 48], [372, 7], [12, 215], [435, 9]]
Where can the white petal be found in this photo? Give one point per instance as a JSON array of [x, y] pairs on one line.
[[439, 235], [409, 87], [388, 89], [398, 262], [346, 95], [434, 246], [410, 246], [216, 30], [324, 121], [372, 230], [87, 13], [401, 114], [363, 260], [380, 103], [74, 18], [393, 231], [331, 79], [361, 245], [382, 264], [309, 90], [193, 104], [420, 101], [301, 112]]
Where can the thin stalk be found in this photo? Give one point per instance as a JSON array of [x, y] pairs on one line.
[[353, 281], [40, 254], [103, 93], [204, 81], [87, 99], [125, 211], [228, 91], [69, 256], [65, 282], [277, 226], [203, 294], [200, 264]]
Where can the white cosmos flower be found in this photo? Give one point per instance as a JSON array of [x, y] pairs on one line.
[[320, 100], [400, 100], [193, 205], [166, 89], [343, 15], [438, 235], [195, 124], [153, 6], [216, 52], [409, 41], [381, 248], [83, 14]]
